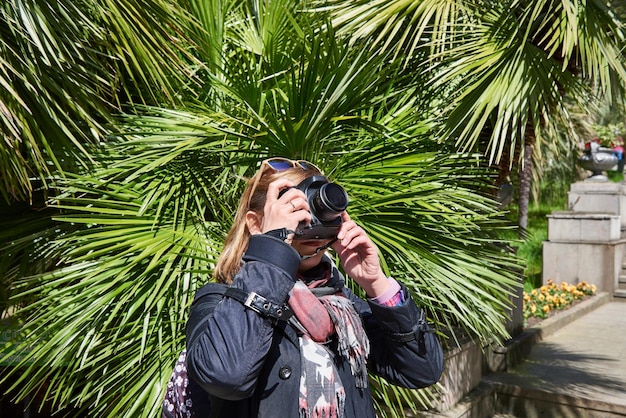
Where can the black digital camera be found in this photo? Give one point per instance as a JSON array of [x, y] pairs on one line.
[[326, 202]]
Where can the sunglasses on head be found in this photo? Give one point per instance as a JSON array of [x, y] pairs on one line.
[[278, 165], [284, 164]]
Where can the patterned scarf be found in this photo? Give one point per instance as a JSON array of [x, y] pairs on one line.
[[320, 313]]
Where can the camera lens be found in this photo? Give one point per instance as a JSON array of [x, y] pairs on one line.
[[329, 201]]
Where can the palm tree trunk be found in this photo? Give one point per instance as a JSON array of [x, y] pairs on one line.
[[525, 177]]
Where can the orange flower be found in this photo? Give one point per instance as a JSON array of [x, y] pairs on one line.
[[541, 301]]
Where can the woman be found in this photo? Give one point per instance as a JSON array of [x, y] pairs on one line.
[[288, 339]]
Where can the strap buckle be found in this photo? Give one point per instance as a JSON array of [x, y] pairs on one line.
[[255, 301], [260, 305]]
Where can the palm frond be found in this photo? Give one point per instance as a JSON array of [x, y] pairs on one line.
[[513, 77], [402, 27], [140, 230], [65, 66]]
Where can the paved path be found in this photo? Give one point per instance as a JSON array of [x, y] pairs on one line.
[[585, 360]]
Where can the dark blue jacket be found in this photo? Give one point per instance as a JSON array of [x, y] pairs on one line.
[[249, 364]]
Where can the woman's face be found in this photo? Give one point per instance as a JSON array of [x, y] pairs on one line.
[[303, 247], [308, 247]]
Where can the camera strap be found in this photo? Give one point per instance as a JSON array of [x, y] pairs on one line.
[[323, 247]]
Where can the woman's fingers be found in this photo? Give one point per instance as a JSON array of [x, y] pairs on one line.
[[285, 206]]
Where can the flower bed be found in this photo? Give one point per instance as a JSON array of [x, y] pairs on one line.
[[551, 298]]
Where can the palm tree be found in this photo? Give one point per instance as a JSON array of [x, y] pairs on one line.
[[62, 73], [133, 234], [512, 66]]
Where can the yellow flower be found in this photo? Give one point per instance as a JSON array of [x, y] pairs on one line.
[[551, 296]]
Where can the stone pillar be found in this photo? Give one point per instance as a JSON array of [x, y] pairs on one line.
[[584, 247], [598, 197]]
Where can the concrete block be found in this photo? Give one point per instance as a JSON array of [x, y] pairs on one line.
[[583, 227], [574, 262], [598, 197], [463, 372]]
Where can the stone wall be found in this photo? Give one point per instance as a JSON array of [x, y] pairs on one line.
[[586, 243]]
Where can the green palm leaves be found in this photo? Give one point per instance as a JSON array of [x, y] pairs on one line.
[[161, 111]]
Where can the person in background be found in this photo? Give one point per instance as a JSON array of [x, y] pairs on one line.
[[288, 339]]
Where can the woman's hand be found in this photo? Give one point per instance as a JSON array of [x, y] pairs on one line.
[[359, 257], [285, 211]]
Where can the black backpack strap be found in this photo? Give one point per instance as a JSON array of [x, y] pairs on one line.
[[259, 304], [209, 295], [212, 288], [250, 300]]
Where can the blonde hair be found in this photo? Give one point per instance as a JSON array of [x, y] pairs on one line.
[[238, 237]]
